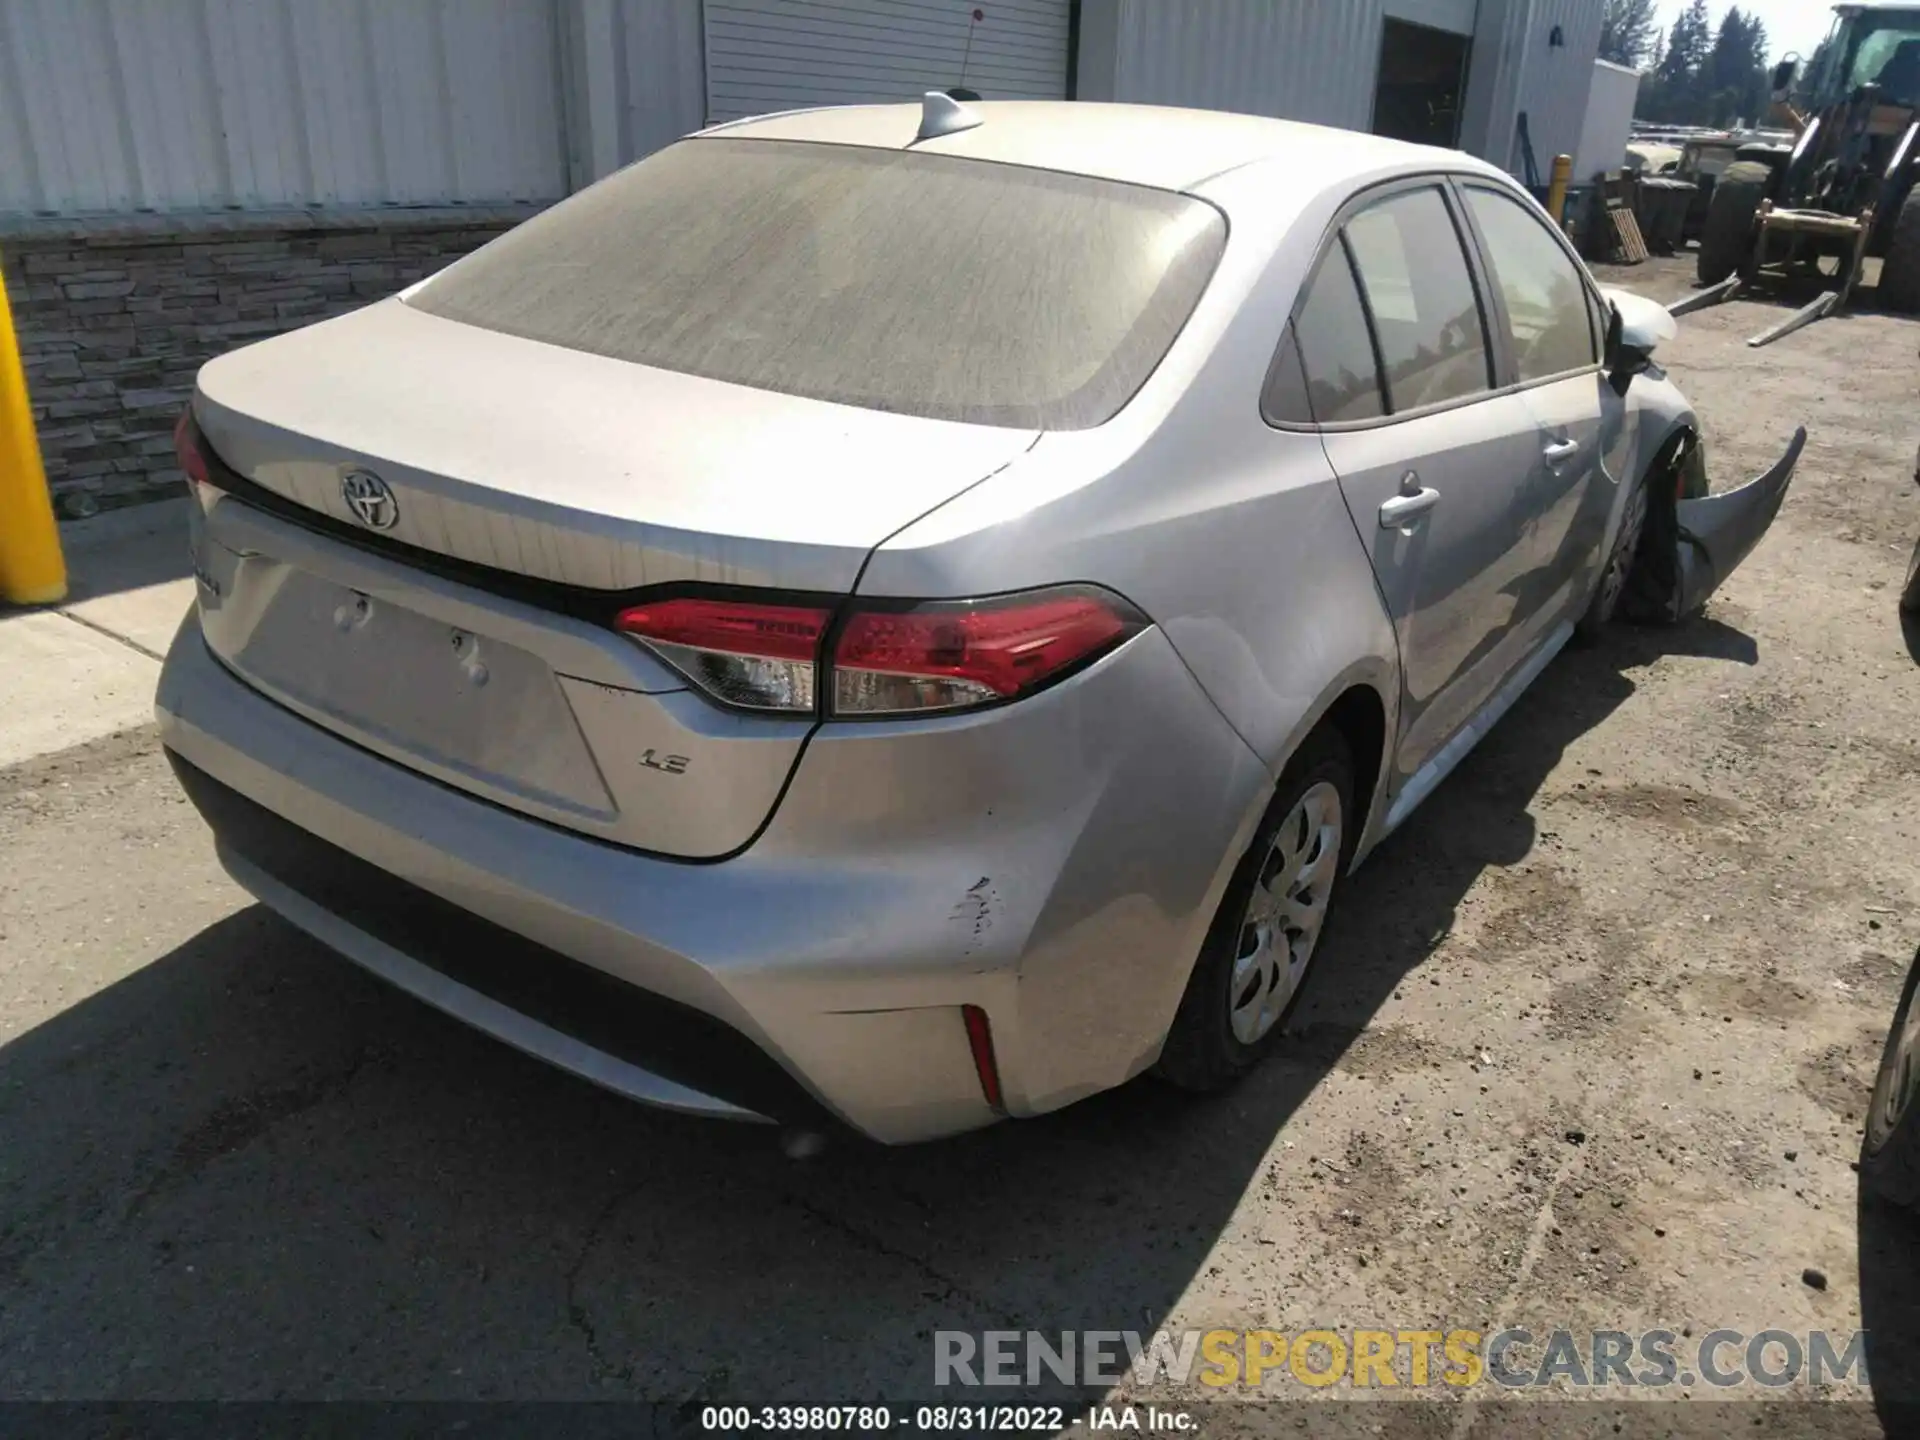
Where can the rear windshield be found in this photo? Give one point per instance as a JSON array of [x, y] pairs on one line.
[[954, 289]]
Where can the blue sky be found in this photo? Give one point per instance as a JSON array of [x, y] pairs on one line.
[[1791, 24]]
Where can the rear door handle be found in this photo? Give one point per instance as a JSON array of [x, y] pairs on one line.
[[1561, 450], [1403, 510]]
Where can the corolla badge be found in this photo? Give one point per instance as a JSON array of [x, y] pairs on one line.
[[370, 498]]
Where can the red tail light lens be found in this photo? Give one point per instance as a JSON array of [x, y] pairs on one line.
[[188, 447], [917, 659], [756, 657], [952, 655]]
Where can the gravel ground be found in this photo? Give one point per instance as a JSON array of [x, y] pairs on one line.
[[1590, 1051]]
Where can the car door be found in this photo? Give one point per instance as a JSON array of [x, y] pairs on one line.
[[1433, 463], [1544, 313]]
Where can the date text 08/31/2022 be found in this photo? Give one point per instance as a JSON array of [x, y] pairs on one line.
[[938, 1419]]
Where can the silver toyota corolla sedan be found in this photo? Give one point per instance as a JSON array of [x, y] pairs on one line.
[[907, 615]]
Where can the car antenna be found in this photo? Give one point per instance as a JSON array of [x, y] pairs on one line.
[[941, 114]]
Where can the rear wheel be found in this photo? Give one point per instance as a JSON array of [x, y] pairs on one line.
[[1258, 955], [1900, 271], [1890, 1154], [1727, 241]]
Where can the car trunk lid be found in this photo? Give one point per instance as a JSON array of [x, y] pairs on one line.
[[469, 636], [576, 468]]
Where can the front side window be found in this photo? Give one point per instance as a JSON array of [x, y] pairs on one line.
[[1545, 297], [1426, 313], [922, 284]]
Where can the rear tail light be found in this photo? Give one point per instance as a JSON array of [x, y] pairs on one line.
[[755, 657], [189, 448], [951, 656], [930, 658]]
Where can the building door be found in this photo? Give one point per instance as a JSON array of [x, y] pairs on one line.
[[767, 55], [1423, 79]]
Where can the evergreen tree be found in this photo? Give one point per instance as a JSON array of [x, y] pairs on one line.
[[1628, 32], [1688, 47], [1726, 79], [1707, 75]]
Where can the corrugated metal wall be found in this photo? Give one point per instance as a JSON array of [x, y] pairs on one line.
[[1457, 16], [1555, 81], [666, 83], [1298, 61], [1319, 60], [765, 55], [118, 105]]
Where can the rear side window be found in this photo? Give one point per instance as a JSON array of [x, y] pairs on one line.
[[1426, 312], [1547, 305], [1342, 374], [922, 284]]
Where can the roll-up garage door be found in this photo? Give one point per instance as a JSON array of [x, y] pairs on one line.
[[765, 55]]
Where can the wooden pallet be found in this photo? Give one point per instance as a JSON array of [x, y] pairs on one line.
[[1629, 246]]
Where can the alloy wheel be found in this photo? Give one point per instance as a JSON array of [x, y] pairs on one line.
[[1285, 913]]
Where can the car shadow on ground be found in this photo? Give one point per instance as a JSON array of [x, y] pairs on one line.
[[247, 1171], [1889, 1257]]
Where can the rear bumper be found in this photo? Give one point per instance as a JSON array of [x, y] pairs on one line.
[[909, 871]]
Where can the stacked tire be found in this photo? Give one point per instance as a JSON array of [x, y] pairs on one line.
[[1900, 271], [1727, 241]]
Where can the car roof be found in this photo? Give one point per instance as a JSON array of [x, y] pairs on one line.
[[1155, 145]]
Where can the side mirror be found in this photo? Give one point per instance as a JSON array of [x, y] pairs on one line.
[[1629, 350], [1784, 74]]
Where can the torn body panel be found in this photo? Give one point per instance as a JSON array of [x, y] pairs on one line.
[[1692, 543]]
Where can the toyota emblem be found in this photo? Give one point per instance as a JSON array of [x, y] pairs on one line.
[[370, 498]]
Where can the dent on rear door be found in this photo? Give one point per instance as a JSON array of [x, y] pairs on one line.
[[1691, 546]]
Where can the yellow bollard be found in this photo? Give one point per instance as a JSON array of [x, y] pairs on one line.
[[1557, 196], [32, 570]]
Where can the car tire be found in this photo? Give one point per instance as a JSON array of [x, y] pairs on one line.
[[1900, 271], [1726, 243], [1240, 994], [1591, 627], [1890, 1149], [1910, 593]]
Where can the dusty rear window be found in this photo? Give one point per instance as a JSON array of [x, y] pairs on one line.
[[954, 289]]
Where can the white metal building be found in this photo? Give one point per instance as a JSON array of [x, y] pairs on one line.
[[118, 106], [181, 176]]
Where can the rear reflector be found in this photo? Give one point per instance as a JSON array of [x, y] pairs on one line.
[[756, 657], [887, 659], [980, 1041]]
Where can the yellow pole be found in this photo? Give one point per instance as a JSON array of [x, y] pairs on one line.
[[1557, 196], [32, 570]]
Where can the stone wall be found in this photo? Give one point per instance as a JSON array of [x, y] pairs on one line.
[[116, 315]]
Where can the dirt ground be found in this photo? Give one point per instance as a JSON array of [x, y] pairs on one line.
[[1590, 1051]]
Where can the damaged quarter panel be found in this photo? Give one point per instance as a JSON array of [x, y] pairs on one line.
[[1083, 827]]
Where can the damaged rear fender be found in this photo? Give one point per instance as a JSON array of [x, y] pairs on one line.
[[1691, 545]]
